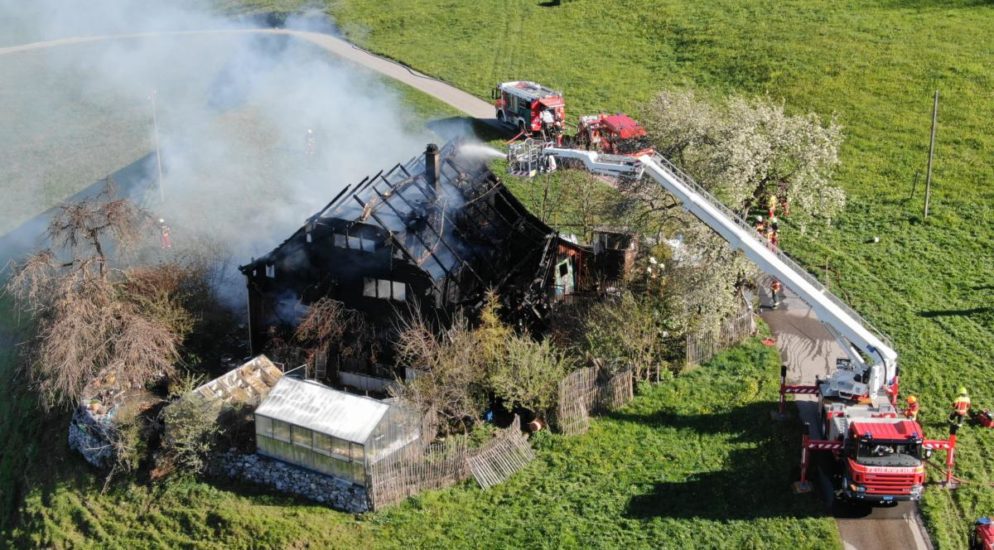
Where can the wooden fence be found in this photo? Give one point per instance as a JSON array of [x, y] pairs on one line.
[[587, 389], [443, 463], [703, 346], [501, 457]]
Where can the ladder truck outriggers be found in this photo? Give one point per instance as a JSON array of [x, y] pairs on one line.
[[880, 455]]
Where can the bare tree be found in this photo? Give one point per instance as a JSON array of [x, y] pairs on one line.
[[451, 370], [92, 313]]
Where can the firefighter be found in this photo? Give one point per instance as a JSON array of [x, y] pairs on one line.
[[167, 242], [775, 287], [911, 411], [771, 204], [961, 407], [760, 226]]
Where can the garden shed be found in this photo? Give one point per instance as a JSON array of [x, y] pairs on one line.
[[333, 432]]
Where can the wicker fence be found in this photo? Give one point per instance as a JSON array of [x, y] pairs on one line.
[[501, 457], [587, 389], [443, 463], [703, 346]]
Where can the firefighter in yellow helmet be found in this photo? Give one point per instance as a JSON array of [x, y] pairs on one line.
[[911, 411], [961, 407]]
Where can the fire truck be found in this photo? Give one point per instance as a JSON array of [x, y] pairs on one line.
[[878, 454], [531, 108], [616, 134], [982, 536]]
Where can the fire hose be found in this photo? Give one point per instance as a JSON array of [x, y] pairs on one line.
[[521, 133], [943, 469]]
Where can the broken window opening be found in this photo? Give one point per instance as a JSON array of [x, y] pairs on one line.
[[384, 289]]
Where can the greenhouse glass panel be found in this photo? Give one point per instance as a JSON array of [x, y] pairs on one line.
[[263, 426], [281, 430], [337, 467], [264, 444], [322, 443], [358, 454], [302, 437], [340, 447]]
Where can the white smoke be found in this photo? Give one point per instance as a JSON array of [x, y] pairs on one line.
[[257, 131]]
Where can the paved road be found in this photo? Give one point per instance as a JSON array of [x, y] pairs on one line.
[[804, 343], [465, 102], [809, 350]]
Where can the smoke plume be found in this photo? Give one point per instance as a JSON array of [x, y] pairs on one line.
[[256, 131]]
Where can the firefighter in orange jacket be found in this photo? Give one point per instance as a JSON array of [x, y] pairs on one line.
[[961, 407], [911, 412]]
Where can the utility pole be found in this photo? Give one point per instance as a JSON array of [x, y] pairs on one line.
[[931, 153], [155, 133]]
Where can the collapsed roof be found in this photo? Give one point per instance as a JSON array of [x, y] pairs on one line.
[[435, 232]]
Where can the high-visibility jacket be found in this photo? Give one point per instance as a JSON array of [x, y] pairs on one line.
[[962, 405], [912, 411]]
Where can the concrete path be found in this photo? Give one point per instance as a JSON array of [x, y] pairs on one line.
[[809, 350]]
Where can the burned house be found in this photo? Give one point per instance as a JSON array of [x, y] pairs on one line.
[[431, 235]]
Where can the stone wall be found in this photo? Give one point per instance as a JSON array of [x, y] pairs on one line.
[[286, 478]]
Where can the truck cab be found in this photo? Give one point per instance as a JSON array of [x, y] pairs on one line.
[[880, 459]]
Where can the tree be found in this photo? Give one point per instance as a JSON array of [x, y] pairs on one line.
[[450, 371], [327, 323], [529, 375], [94, 314], [190, 433], [631, 331], [745, 150]]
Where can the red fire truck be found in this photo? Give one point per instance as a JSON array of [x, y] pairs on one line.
[[531, 108], [879, 454], [616, 134]]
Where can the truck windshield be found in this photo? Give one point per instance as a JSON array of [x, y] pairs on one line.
[[888, 453]]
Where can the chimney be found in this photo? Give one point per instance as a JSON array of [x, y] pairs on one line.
[[433, 168]]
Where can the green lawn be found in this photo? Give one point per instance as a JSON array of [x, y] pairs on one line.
[[873, 64], [686, 464]]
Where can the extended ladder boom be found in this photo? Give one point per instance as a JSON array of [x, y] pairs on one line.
[[853, 331]]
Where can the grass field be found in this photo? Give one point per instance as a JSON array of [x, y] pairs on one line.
[[872, 64], [684, 465]]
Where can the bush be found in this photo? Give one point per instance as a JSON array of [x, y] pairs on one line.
[[190, 434], [529, 374], [630, 331]]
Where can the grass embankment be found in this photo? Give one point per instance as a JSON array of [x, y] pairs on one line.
[[690, 463], [874, 65]]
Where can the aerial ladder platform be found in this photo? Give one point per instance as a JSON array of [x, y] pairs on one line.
[[869, 378]]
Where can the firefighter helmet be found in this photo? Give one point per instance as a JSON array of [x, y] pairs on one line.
[[962, 390], [912, 399]]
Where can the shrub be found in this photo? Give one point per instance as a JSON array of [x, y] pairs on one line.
[[529, 374]]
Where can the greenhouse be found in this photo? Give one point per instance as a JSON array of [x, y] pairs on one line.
[[329, 431]]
